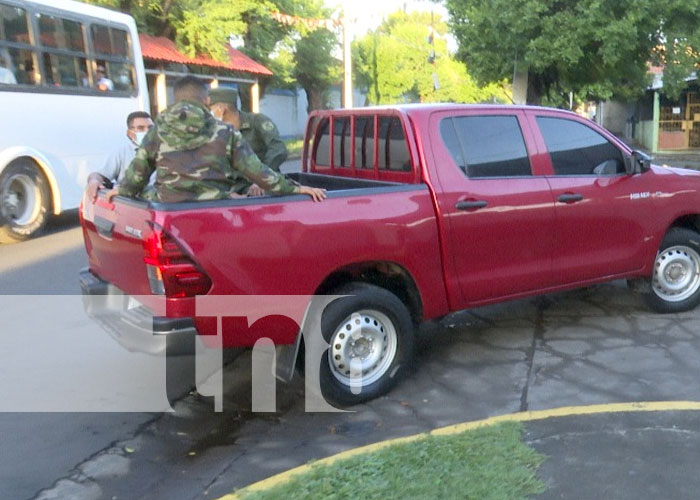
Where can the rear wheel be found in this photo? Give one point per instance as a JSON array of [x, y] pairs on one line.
[[370, 333], [24, 201], [675, 282]]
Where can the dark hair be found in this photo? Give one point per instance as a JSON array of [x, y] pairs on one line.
[[191, 88], [133, 116]]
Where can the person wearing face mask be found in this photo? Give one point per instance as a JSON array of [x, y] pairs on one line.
[[257, 129], [198, 158], [138, 124]]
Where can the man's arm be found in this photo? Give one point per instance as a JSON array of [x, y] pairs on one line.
[[107, 176], [139, 171], [275, 149]]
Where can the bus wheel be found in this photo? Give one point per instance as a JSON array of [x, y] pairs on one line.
[[24, 201]]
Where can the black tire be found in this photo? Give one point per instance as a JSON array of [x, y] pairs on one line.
[[25, 200], [675, 282], [385, 338]]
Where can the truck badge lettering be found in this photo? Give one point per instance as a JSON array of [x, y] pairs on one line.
[[133, 232], [640, 196]]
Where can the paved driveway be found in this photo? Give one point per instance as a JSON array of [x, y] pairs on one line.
[[592, 346]]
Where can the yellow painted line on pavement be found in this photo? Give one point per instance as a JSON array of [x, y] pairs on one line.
[[527, 416]]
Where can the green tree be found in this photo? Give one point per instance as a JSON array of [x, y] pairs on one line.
[[295, 54], [393, 63], [204, 26], [315, 68], [595, 48]]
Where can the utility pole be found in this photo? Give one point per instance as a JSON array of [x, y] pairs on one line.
[[347, 63], [431, 56]]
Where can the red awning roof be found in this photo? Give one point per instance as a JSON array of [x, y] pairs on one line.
[[163, 49]]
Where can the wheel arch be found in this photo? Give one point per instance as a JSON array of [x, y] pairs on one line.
[[688, 221], [385, 274], [11, 155]]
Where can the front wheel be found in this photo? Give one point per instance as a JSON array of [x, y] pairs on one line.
[[24, 201], [675, 282], [370, 337]]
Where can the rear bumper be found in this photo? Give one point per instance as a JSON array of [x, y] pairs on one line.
[[132, 325]]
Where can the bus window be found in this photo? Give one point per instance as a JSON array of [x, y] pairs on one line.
[[16, 66], [65, 71], [20, 67], [61, 33], [123, 75], [114, 70], [110, 41], [13, 25], [120, 42], [61, 69]]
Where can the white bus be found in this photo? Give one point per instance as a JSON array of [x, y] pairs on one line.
[[70, 73]]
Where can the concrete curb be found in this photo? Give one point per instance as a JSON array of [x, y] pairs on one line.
[[528, 416]]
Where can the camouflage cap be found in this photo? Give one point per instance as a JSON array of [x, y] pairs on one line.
[[224, 94]]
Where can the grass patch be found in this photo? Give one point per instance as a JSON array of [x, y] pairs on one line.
[[294, 146], [485, 463]]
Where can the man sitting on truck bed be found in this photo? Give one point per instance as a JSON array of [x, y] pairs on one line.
[[194, 155]]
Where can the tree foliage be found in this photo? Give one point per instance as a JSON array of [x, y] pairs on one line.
[[392, 62], [204, 26], [293, 53], [595, 48], [315, 67]]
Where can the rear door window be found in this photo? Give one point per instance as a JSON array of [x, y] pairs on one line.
[[486, 146], [576, 149]]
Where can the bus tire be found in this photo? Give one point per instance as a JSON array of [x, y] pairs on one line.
[[25, 199]]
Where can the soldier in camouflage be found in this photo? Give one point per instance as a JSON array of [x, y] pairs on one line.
[[197, 157], [257, 129]]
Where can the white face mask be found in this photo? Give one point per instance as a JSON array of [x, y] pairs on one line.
[[139, 137]]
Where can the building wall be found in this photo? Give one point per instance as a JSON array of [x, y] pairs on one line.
[[644, 134], [615, 115], [287, 108]]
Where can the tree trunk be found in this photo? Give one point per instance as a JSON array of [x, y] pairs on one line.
[[537, 85], [315, 99]]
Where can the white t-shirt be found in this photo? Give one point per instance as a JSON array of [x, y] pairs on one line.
[[118, 160], [7, 76], [106, 83]]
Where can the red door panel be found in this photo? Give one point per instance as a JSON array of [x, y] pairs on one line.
[[500, 229]]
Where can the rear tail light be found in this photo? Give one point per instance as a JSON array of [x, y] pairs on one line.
[[171, 271]]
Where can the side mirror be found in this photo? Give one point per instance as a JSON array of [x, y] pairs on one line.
[[638, 163]]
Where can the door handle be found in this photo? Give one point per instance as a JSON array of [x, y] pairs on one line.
[[570, 197], [471, 204]]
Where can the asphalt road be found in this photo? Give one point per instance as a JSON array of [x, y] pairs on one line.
[[39, 294], [592, 346], [37, 448]]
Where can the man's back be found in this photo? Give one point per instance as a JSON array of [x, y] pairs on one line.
[[189, 149]]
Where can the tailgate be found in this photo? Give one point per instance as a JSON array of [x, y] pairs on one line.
[[114, 235]]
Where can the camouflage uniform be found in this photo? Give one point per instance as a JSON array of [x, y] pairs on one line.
[[263, 136], [197, 157]]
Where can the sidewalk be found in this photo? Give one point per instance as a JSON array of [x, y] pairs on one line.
[[684, 159]]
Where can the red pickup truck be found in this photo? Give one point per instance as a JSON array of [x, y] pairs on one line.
[[430, 209]]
